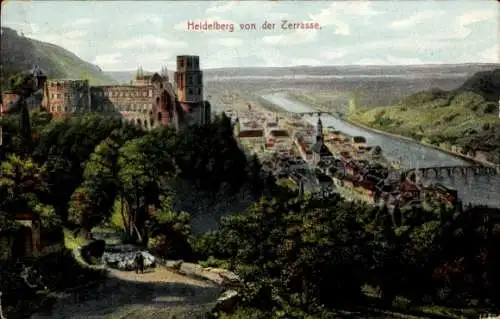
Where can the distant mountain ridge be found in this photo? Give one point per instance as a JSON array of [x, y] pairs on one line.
[[349, 70], [19, 54]]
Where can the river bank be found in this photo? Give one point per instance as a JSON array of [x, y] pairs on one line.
[[342, 111], [464, 157], [475, 190]]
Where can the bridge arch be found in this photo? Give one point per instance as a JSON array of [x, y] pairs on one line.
[[450, 171]]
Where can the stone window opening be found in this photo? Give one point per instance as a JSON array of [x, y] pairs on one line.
[[159, 116], [190, 91], [190, 80], [157, 100]]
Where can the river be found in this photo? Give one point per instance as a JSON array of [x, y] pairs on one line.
[[478, 190]]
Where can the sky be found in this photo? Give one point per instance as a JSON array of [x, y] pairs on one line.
[[120, 35]]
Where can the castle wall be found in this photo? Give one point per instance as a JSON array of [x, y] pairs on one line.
[[8, 99], [67, 96], [149, 102]]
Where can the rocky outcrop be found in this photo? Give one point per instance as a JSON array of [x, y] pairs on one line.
[[227, 301], [222, 277]]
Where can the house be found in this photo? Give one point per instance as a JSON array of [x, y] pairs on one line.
[[279, 141], [251, 138], [30, 239], [408, 189]]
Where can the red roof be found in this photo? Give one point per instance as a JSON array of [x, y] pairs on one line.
[[251, 133], [406, 186], [279, 133], [25, 216]]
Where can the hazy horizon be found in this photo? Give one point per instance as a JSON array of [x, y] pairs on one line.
[[326, 66]]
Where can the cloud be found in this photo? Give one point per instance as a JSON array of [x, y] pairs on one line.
[[336, 14], [149, 42], [476, 16], [491, 55], [333, 55], [271, 57], [295, 37], [369, 61], [461, 26], [221, 7], [24, 27], [277, 16], [78, 23], [153, 61], [403, 60], [390, 60], [307, 61], [329, 17], [229, 42], [107, 60], [415, 19], [150, 19], [77, 34]]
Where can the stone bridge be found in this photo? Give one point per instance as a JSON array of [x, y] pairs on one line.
[[301, 114], [452, 171]]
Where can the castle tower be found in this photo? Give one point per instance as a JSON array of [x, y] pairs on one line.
[[189, 87]]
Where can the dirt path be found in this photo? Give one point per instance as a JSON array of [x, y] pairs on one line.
[[158, 293]]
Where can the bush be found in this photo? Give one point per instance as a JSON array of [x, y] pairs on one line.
[[490, 108], [93, 251]]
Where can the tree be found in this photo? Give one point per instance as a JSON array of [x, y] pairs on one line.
[[377, 150], [170, 231], [22, 187], [25, 127], [146, 169]]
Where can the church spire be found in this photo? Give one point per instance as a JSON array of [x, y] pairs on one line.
[[319, 130], [164, 72]]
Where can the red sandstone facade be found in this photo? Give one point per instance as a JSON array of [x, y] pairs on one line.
[[150, 101], [8, 99]]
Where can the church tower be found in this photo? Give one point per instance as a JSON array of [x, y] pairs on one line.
[[189, 88], [319, 131]]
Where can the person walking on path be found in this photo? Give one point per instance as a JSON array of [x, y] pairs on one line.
[[139, 263]]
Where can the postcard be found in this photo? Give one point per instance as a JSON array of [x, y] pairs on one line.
[[152, 123]]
